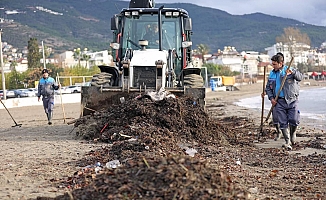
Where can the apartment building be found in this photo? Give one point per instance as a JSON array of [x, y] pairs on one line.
[[67, 59], [302, 53], [248, 63]]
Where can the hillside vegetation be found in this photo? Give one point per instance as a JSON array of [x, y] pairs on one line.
[[86, 23]]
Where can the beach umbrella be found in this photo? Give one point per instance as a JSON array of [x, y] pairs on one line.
[[323, 73], [314, 74]]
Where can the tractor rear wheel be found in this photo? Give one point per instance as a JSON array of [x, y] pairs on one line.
[[193, 81], [102, 79]]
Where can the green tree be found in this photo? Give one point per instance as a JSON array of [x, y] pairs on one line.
[[219, 70], [13, 65], [86, 58], [34, 55], [54, 70], [32, 75], [15, 79], [47, 51], [212, 69], [77, 55], [303, 68], [81, 55], [225, 71]]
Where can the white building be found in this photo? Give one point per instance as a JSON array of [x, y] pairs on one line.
[[298, 50], [67, 59], [22, 66], [250, 65], [100, 58], [245, 62], [228, 57]]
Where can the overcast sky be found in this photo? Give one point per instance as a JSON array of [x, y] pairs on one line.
[[308, 11]]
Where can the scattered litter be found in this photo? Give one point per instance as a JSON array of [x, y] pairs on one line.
[[160, 95], [113, 164], [122, 100], [191, 152], [98, 169], [253, 190]]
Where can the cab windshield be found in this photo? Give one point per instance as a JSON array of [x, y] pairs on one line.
[[144, 27]]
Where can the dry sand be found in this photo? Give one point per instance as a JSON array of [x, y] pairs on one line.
[[35, 153]]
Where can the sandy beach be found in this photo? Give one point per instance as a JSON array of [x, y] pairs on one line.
[[36, 154]]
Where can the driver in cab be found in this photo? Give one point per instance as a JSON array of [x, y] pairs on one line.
[[152, 35]]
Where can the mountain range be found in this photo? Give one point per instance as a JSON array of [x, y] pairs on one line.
[[68, 24]]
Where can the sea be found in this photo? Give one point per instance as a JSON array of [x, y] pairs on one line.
[[312, 106]]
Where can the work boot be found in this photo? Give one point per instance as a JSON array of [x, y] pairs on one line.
[[293, 135], [278, 132], [50, 115], [287, 144]]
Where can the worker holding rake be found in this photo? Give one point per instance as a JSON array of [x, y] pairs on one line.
[[274, 115], [284, 97], [46, 88]]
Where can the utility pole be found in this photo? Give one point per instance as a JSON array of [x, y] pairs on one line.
[[2, 71], [44, 64], [243, 68]]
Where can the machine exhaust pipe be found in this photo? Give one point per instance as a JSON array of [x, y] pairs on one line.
[[160, 27]]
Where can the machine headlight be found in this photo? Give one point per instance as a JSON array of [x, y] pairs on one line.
[[176, 14], [127, 13], [135, 13], [168, 14]]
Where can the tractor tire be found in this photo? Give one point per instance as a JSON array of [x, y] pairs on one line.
[[193, 81], [102, 79]]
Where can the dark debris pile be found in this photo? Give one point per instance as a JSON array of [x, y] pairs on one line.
[[157, 127], [151, 139], [179, 116], [176, 177]]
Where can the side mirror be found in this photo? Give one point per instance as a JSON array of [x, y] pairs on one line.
[[187, 24], [114, 23]]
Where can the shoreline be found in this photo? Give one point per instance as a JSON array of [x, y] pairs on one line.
[[227, 100]]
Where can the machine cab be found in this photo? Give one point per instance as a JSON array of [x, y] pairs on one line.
[[164, 29]]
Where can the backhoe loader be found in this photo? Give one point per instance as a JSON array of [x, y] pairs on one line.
[[141, 65]]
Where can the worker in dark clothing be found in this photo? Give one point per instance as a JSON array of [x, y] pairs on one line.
[[274, 115], [286, 106], [46, 88], [274, 121], [152, 35]]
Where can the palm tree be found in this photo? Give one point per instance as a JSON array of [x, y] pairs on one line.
[[81, 55], [203, 50], [86, 58], [77, 55]]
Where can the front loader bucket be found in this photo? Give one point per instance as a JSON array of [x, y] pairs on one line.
[[97, 99]]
